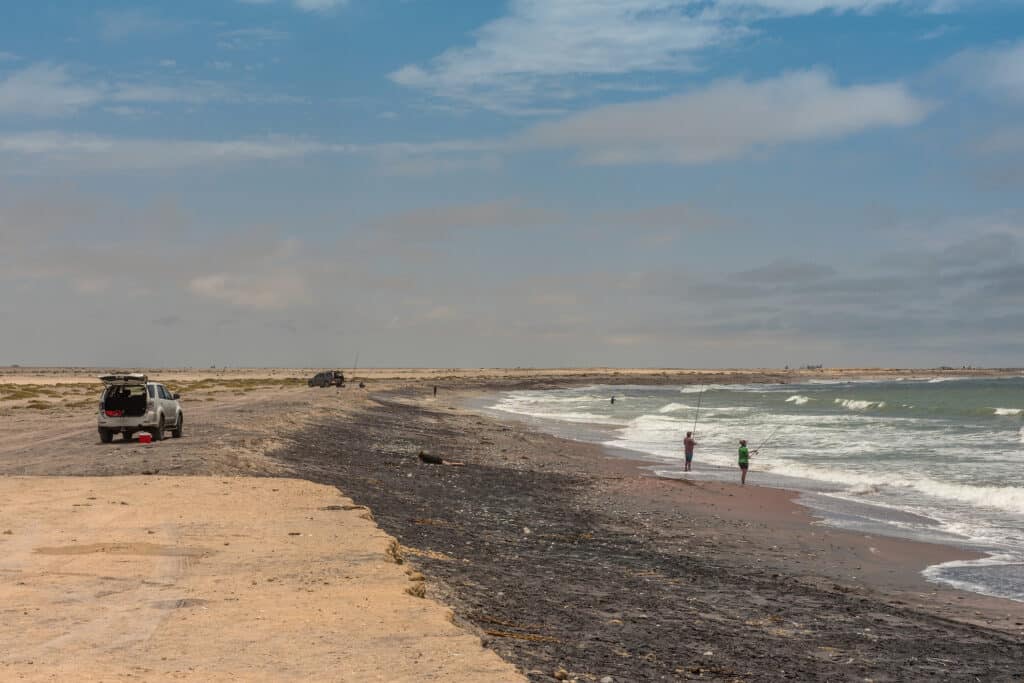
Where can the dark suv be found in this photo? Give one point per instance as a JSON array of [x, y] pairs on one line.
[[330, 378]]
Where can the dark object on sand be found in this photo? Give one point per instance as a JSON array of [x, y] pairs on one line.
[[362, 385], [438, 460]]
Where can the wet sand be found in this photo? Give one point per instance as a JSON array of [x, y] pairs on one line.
[[566, 558]]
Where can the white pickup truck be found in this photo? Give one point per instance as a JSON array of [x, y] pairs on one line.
[[131, 403]]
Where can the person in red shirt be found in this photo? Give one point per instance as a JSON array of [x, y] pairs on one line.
[[688, 444]]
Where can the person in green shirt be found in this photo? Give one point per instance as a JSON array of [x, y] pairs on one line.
[[744, 460]]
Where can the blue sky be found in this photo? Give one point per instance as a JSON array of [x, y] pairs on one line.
[[512, 183]]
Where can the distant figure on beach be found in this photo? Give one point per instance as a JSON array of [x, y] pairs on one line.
[[688, 444], [744, 460], [613, 400], [435, 391]]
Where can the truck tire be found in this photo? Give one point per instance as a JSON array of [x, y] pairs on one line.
[[176, 433], [158, 433], [106, 436]]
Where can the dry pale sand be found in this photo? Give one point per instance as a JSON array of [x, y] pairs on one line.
[[210, 578]]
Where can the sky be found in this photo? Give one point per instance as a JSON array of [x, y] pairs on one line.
[[512, 183]]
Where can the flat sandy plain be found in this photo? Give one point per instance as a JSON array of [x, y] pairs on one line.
[[238, 552]]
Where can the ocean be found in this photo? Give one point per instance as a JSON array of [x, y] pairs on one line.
[[932, 460]]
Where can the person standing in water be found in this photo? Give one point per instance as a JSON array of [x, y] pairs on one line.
[[688, 444], [613, 399], [744, 460]]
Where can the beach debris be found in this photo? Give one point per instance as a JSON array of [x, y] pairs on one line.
[[394, 552], [417, 590], [430, 459], [561, 674], [607, 679]]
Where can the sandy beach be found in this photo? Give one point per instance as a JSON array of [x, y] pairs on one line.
[[554, 555]]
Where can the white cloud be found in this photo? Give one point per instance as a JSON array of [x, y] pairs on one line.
[[539, 47], [134, 23], [319, 5], [260, 291], [245, 38], [804, 7], [304, 5], [39, 151], [55, 150], [543, 39], [45, 90], [998, 71], [49, 90], [729, 119]]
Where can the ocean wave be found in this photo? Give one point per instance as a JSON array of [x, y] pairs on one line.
[[673, 408], [1008, 411], [798, 400], [853, 404], [947, 573], [863, 489], [1007, 498]]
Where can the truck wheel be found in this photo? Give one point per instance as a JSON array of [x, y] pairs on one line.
[[106, 436], [176, 433], [158, 433]]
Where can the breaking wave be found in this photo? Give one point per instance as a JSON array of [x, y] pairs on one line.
[[1009, 411], [1008, 498], [852, 404], [798, 400], [673, 408]]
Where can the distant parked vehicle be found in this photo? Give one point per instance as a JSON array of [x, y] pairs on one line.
[[328, 378], [131, 403]]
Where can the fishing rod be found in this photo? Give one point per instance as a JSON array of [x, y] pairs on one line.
[[769, 439], [700, 397]]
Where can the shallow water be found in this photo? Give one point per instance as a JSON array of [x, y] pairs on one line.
[[930, 460]]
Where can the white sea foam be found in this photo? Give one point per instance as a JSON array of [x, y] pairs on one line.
[[863, 489], [1020, 433], [853, 404], [941, 573], [1009, 411], [673, 408], [798, 400], [1008, 498]]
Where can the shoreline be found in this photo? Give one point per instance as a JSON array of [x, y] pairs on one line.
[[812, 500], [563, 556]]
